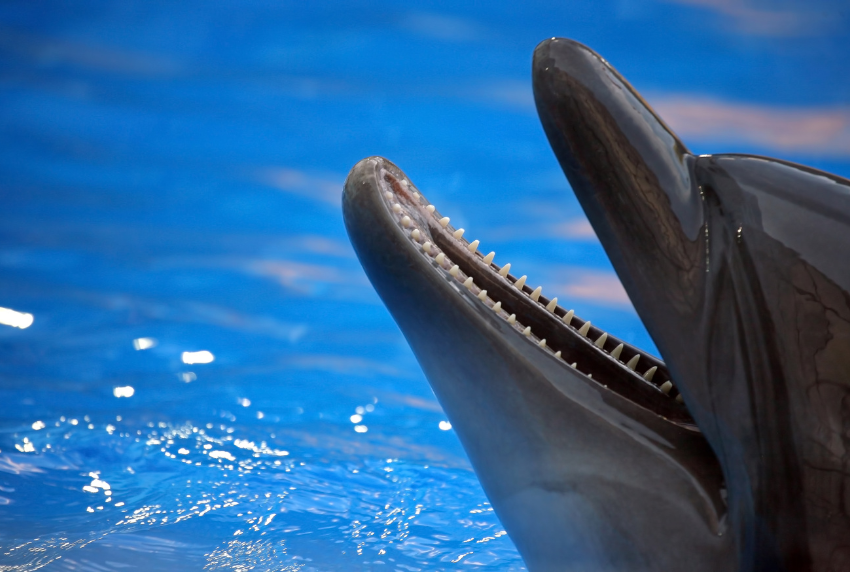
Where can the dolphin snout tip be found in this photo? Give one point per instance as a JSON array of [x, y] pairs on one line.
[[561, 54], [365, 175], [361, 176], [555, 45]]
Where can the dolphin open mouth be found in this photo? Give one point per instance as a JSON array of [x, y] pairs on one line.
[[556, 331], [577, 438], [582, 442]]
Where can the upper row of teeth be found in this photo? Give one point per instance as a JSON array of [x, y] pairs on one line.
[[440, 258]]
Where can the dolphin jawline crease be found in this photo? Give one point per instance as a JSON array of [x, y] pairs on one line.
[[732, 454]]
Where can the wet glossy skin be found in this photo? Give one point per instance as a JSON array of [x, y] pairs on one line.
[[749, 257]]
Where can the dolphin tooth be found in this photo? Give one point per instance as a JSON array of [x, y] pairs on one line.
[[454, 270], [444, 222], [600, 343], [497, 306], [458, 233], [679, 399], [473, 246], [415, 234], [527, 331], [512, 319], [573, 365], [388, 195], [568, 317], [482, 295], [590, 376], [426, 246], [520, 282], [666, 387], [553, 303], [542, 343], [633, 362], [584, 329], [396, 208], [503, 272], [650, 372], [440, 257], [468, 282], [615, 353], [558, 354], [489, 258], [405, 221], [536, 294], [430, 208]]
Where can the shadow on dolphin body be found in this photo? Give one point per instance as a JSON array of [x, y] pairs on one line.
[[582, 442]]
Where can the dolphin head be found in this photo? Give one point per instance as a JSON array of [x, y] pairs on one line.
[[737, 266], [732, 453], [579, 441]]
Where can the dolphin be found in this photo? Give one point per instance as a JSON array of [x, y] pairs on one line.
[[731, 454]]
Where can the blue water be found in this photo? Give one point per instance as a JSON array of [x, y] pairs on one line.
[[170, 178]]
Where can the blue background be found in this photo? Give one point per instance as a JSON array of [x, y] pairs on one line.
[[173, 171]]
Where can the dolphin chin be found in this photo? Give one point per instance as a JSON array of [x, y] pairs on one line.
[[583, 443]]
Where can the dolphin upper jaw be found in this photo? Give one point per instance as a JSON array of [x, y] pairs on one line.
[[747, 256], [581, 476]]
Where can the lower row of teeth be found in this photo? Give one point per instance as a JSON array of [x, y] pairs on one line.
[[431, 250]]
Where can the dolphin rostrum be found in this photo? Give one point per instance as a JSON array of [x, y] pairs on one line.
[[733, 454]]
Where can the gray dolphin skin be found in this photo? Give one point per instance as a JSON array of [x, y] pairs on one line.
[[734, 452], [738, 267]]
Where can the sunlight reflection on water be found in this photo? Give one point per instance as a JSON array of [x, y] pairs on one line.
[[268, 507]]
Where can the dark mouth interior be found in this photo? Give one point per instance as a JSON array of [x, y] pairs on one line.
[[610, 362]]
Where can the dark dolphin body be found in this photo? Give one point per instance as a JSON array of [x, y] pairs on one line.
[[737, 266]]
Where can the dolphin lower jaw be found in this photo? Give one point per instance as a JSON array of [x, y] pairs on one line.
[[584, 473], [633, 178]]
